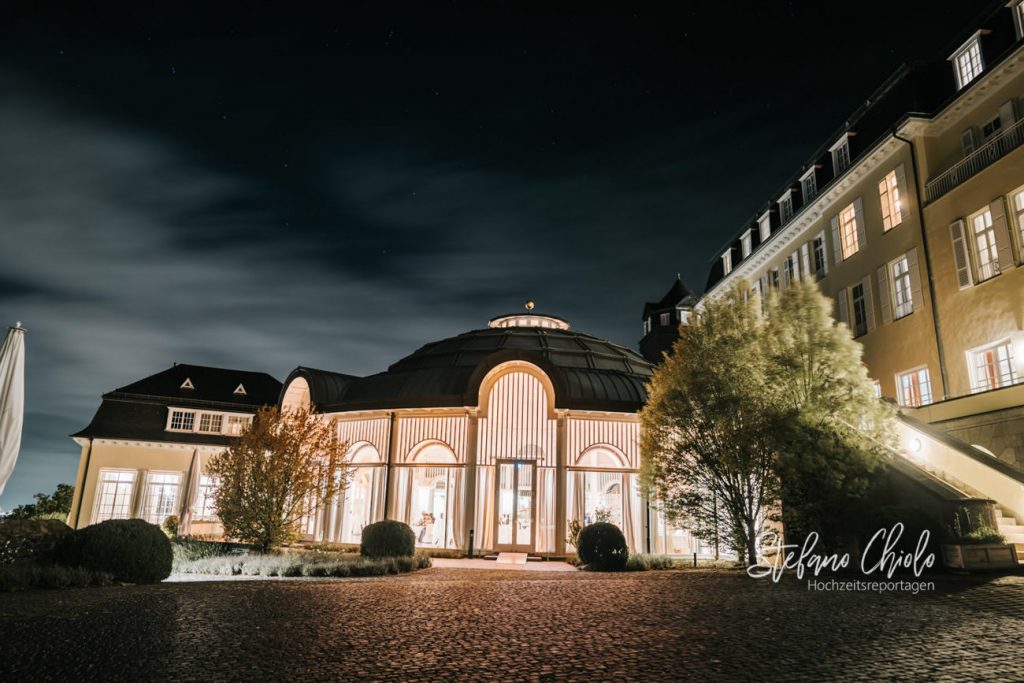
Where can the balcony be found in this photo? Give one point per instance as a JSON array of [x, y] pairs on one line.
[[978, 160]]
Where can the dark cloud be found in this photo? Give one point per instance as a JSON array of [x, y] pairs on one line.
[[262, 189]]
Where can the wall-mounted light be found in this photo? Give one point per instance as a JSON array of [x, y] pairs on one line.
[[914, 445]]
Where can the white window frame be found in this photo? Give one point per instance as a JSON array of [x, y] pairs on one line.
[[866, 302], [820, 238], [892, 203], [785, 207], [990, 268], [977, 383], [916, 374], [155, 516], [1018, 18], [849, 242], [100, 483], [974, 63], [727, 262], [900, 283], [746, 243], [197, 419], [841, 159], [764, 226], [809, 180], [1017, 209], [203, 507], [172, 412]]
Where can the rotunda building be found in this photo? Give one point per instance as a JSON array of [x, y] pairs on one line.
[[494, 439]]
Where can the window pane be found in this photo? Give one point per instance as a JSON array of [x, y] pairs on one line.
[[848, 231]]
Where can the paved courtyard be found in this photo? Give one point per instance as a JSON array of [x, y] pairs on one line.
[[465, 624]]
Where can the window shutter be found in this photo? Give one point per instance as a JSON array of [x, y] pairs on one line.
[[869, 303], [884, 296], [796, 265], [967, 141], [805, 254], [837, 248], [841, 306], [862, 233], [1002, 229], [1006, 115], [901, 187], [961, 258], [915, 279]]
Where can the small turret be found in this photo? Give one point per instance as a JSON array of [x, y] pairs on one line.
[[661, 320]]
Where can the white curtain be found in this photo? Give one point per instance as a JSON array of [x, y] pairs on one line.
[[376, 495], [484, 529], [12, 400], [579, 497], [546, 510], [455, 502], [629, 513]]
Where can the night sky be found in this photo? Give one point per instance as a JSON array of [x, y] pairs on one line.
[[260, 190]]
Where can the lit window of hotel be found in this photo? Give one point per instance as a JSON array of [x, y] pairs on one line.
[[764, 227], [745, 244], [901, 292], [114, 494], [818, 254], [161, 496], [1018, 216], [210, 422], [182, 420], [848, 242], [205, 505], [841, 155], [727, 262], [889, 193], [860, 310], [237, 424], [986, 251], [915, 388], [992, 367], [809, 186], [967, 62], [786, 207]]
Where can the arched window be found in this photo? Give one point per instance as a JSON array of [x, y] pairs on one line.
[[429, 493], [363, 499], [602, 488], [601, 457], [434, 452], [297, 395]]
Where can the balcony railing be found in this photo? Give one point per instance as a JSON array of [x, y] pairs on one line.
[[981, 158]]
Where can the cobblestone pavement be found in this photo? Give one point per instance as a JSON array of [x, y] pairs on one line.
[[445, 624]]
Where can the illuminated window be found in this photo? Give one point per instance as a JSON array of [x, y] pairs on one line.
[[848, 241], [161, 496], [967, 63], [986, 251], [915, 388], [114, 495], [183, 420], [889, 194], [205, 505], [237, 424], [809, 186], [902, 295], [818, 254], [992, 367], [210, 422]]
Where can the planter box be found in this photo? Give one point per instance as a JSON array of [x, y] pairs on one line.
[[1003, 556]]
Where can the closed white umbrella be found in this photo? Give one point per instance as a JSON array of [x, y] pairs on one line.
[[12, 400], [185, 526]]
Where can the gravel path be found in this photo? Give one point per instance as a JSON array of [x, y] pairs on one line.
[[465, 624]]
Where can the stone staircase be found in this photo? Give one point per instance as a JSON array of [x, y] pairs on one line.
[[1006, 523]]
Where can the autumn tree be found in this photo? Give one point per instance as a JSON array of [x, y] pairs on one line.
[[707, 452], [283, 467]]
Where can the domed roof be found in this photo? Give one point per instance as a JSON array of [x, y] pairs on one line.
[[587, 373]]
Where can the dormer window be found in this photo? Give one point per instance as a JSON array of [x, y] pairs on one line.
[[666, 319], [786, 207], [967, 61], [727, 262], [240, 390], [745, 244], [1018, 18], [187, 384], [841, 154], [764, 227], [809, 185]]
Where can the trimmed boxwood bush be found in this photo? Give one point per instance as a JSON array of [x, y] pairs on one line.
[[387, 539], [603, 547], [130, 550]]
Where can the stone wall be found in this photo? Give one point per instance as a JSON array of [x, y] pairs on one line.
[[1000, 432]]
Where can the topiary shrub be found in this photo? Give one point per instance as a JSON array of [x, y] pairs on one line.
[[387, 539], [130, 550], [602, 547]]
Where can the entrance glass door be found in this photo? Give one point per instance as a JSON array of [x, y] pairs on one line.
[[515, 506]]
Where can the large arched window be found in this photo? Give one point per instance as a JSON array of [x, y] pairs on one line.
[[362, 502], [603, 489], [297, 395], [429, 495]]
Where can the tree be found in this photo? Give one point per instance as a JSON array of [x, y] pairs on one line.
[[706, 429], [282, 468], [832, 433], [54, 506]]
